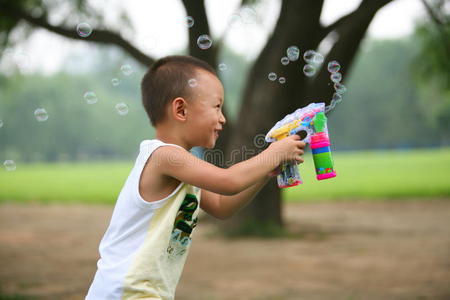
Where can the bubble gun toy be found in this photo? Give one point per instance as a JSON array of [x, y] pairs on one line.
[[313, 121]]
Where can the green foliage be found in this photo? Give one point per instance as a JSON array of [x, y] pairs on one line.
[[382, 108], [74, 130], [432, 65]]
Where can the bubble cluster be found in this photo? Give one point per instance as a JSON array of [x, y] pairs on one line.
[[285, 60], [90, 97], [204, 42], [122, 108], [336, 77], [293, 53], [84, 30], [189, 21], [115, 81], [126, 69], [223, 67], [272, 76], [41, 114], [309, 70], [192, 82], [9, 165]]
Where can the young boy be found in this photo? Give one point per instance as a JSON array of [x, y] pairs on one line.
[[145, 246]]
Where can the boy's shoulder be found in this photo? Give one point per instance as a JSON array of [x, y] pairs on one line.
[[153, 184]]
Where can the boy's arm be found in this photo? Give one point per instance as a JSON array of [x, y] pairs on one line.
[[223, 207], [182, 165]]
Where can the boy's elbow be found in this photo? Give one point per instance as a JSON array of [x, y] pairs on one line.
[[224, 215], [231, 186]]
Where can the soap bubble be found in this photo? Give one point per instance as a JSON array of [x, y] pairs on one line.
[[284, 60], [115, 81], [336, 98], [10, 165], [309, 55], [90, 97], [1, 123], [293, 53], [189, 21], [330, 107], [309, 70], [41, 114], [192, 82], [272, 76], [84, 30], [122, 108], [340, 88], [333, 66], [282, 80], [248, 15], [127, 70], [204, 42], [336, 77], [318, 58], [223, 67], [235, 20]]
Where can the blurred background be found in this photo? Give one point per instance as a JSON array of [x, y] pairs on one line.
[[71, 121]]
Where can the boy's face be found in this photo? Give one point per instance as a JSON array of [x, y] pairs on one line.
[[204, 115]]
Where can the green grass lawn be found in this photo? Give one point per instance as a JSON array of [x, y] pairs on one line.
[[368, 175], [377, 174]]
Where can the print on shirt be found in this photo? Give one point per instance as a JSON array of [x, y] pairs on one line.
[[183, 226]]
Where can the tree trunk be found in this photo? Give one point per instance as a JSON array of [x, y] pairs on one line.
[[265, 102]]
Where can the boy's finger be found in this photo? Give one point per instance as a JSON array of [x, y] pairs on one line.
[[301, 144]]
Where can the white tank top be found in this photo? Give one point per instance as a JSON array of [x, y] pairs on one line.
[[143, 251]]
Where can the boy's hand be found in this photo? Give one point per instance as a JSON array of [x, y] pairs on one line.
[[289, 149]]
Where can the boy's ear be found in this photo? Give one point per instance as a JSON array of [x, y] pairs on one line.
[[179, 108]]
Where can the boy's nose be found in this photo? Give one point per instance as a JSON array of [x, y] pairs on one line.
[[222, 119]]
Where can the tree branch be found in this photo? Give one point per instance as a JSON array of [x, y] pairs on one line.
[[432, 14], [351, 30], [196, 9], [337, 23], [97, 36]]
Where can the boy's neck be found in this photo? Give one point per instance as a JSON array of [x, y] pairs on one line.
[[171, 139]]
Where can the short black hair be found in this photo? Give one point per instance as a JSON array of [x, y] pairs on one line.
[[167, 79]]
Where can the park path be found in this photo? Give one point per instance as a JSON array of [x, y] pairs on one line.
[[348, 250]]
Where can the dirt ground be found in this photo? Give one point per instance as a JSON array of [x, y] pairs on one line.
[[352, 250]]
